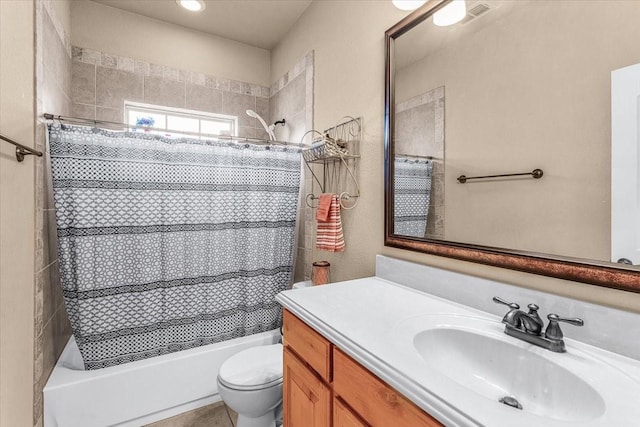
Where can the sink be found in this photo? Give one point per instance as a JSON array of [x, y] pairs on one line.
[[496, 368], [472, 364]]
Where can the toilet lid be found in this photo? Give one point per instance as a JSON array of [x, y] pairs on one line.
[[253, 368]]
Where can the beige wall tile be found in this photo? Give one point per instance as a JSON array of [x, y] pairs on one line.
[[83, 111], [237, 104], [113, 87], [57, 61], [262, 108], [246, 131], [52, 291], [261, 133], [83, 90], [203, 98], [109, 114], [54, 100], [109, 61], [164, 92], [293, 96]]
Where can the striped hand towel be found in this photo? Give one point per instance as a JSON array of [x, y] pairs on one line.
[[330, 237]]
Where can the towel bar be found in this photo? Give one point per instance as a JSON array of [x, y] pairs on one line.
[[21, 150], [536, 173]]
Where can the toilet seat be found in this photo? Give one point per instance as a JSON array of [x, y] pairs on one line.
[[253, 369]]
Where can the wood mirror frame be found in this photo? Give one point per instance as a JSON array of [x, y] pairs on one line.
[[580, 270]]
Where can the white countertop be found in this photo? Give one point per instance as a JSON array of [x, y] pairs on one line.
[[367, 318]]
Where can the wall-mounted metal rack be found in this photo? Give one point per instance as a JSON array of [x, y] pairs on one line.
[[337, 150], [536, 173], [21, 150]]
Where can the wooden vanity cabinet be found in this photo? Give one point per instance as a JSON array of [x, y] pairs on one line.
[[323, 387], [345, 417], [307, 400]]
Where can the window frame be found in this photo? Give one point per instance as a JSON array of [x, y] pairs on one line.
[[181, 112]]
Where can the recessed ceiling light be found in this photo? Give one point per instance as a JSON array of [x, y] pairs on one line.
[[192, 5], [452, 13], [408, 4]]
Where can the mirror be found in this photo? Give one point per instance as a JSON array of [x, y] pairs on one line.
[[544, 94]]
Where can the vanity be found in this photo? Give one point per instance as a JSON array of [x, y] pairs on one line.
[[406, 348]]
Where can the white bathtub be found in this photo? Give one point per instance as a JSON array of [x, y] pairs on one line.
[[138, 393]]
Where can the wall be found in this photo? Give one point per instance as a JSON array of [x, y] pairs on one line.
[[292, 99], [532, 113], [17, 190], [106, 29], [348, 41], [102, 81], [53, 86]]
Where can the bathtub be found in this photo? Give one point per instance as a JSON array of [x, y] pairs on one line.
[[138, 393]]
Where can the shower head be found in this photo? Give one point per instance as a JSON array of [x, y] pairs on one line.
[[269, 131]]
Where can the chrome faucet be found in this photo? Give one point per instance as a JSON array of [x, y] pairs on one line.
[[528, 326]]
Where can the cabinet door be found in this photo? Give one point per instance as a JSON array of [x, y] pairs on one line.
[[307, 401], [375, 401], [344, 417], [308, 344]]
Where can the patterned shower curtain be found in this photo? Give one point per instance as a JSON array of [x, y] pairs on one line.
[[412, 191], [168, 244]]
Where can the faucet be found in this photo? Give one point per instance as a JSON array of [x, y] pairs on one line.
[[528, 326]]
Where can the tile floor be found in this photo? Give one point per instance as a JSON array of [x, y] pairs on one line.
[[215, 415]]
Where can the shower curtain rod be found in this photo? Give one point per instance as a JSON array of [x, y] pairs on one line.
[[105, 123]]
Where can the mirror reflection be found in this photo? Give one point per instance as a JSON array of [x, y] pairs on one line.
[[419, 166], [528, 85]]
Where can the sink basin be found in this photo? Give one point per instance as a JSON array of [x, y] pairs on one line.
[[496, 368], [470, 363]]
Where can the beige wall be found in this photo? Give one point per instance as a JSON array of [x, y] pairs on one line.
[[106, 29], [348, 40], [16, 214], [292, 99], [539, 98]]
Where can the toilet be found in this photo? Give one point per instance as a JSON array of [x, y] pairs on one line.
[[250, 383]]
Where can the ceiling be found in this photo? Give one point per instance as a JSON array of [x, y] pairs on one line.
[[260, 23]]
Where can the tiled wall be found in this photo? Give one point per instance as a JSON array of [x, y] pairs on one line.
[[101, 82], [292, 99], [53, 83], [419, 127]]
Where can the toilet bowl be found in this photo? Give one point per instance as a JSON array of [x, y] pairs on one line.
[[250, 383]]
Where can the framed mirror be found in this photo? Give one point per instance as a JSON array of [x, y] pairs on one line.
[[512, 136]]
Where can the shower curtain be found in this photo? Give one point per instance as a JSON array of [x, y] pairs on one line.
[[168, 244], [412, 191]]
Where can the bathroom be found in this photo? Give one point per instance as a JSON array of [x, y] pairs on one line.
[[313, 63]]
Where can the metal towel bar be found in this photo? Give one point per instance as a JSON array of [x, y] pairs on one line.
[[536, 173], [21, 150]]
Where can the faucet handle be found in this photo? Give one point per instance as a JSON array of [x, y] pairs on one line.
[[511, 318], [533, 308], [553, 331], [511, 305]]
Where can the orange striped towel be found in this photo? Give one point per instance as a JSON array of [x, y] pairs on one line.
[[324, 206], [330, 237]]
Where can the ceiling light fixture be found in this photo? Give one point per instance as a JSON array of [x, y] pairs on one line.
[[408, 4], [192, 5], [452, 13]]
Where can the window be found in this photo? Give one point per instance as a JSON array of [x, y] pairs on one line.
[[176, 121]]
